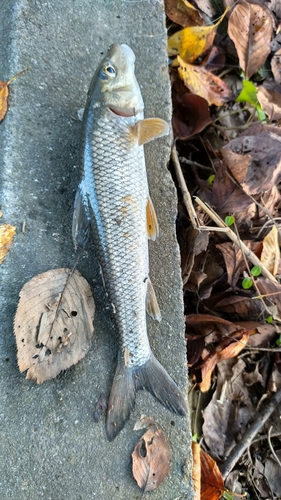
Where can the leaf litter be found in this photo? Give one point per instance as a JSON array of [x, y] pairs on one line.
[[226, 91]]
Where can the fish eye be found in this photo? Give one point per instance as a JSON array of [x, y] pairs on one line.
[[109, 70]]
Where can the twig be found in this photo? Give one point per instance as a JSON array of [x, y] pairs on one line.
[[182, 159], [248, 253], [185, 193], [250, 434], [271, 447]]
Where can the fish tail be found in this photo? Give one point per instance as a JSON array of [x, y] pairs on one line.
[[127, 381]]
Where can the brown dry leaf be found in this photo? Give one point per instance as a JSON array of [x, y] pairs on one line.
[[211, 360], [276, 66], [234, 258], [212, 485], [193, 41], [270, 255], [54, 323], [254, 159], [270, 101], [196, 470], [4, 93], [270, 291], [151, 458], [228, 413], [203, 83], [227, 197], [7, 234], [190, 115], [250, 28], [183, 13]]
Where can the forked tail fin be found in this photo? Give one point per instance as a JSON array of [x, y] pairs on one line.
[[127, 381]]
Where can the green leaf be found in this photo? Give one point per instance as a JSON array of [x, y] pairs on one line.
[[211, 179], [247, 283], [278, 341], [269, 319], [248, 93], [227, 495], [256, 271], [229, 220]]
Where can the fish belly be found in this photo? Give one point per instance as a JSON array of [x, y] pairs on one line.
[[116, 185]]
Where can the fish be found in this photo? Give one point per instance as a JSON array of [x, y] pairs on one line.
[[113, 202]]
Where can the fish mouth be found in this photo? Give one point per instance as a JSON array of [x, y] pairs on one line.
[[125, 112]]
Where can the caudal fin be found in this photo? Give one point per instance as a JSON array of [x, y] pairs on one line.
[[127, 381]]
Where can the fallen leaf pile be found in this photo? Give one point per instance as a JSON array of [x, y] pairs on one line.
[[54, 323], [226, 91]]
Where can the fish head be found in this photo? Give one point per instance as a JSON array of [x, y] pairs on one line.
[[116, 82]]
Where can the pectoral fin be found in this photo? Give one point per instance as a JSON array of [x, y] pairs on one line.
[[152, 307], [149, 129], [151, 221], [81, 219]]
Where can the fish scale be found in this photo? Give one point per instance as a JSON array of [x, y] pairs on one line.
[[113, 198]]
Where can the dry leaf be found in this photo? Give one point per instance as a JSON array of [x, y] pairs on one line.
[[270, 101], [276, 66], [53, 323], [254, 159], [234, 258], [4, 92], [211, 360], [183, 13], [250, 28], [203, 83], [270, 255], [7, 233], [193, 41], [212, 486], [227, 415], [196, 470], [151, 460]]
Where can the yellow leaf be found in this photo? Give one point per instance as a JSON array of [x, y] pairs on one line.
[[203, 83], [7, 233], [192, 41], [270, 255]]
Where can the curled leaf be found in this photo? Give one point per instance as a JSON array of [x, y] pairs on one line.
[[151, 458], [7, 233], [193, 41], [270, 255], [250, 28], [54, 323], [204, 84], [4, 93]]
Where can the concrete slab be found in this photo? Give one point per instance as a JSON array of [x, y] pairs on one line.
[[50, 446]]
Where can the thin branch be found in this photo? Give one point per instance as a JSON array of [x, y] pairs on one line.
[[250, 434], [271, 447], [185, 193], [182, 159], [249, 254]]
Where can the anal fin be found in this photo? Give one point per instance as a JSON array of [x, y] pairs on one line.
[[149, 129], [152, 307], [81, 219], [151, 221]]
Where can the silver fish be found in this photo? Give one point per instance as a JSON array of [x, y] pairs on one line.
[[113, 198]]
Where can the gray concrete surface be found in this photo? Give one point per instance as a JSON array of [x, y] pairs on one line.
[[50, 446]]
